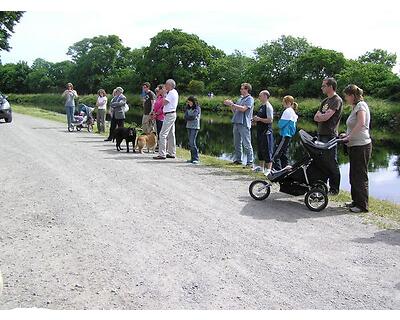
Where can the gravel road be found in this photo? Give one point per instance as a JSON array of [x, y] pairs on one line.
[[85, 227]]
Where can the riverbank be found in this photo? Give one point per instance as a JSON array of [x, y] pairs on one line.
[[382, 213], [384, 114]]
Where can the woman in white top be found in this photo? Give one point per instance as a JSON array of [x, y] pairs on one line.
[[359, 146], [101, 105]]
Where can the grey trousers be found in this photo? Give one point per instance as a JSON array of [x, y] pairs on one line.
[[167, 143], [242, 136], [101, 118]]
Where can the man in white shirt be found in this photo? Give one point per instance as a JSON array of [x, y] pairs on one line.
[[167, 143]]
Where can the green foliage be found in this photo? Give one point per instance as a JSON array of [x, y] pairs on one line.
[[384, 114], [374, 79], [8, 20], [196, 87], [379, 56], [13, 77], [276, 60], [178, 55], [287, 65], [228, 72], [97, 59]]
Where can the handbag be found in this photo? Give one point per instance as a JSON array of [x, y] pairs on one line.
[[126, 108]]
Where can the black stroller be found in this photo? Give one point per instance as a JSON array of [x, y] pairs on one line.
[[308, 176]]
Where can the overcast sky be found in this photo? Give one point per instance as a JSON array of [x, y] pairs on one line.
[[353, 27]]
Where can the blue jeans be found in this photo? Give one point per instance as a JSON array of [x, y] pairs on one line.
[[194, 151], [242, 135], [69, 110]]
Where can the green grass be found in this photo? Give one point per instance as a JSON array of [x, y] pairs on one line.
[[384, 214], [384, 114]]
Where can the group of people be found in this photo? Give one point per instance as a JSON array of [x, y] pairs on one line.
[[159, 115], [274, 156]]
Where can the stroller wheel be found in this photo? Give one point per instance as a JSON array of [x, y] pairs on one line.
[[259, 189], [78, 128], [316, 199], [90, 128], [322, 185]]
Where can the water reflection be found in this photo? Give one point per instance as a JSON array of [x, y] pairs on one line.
[[215, 138]]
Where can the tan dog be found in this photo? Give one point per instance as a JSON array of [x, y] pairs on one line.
[[148, 141]]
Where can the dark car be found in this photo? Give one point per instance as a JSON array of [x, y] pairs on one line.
[[5, 109]]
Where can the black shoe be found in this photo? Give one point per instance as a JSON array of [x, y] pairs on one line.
[[248, 165], [170, 157], [236, 163], [350, 204], [159, 158], [108, 139]]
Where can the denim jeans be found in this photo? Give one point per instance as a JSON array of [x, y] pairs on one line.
[[69, 110], [242, 135], [194, 151]]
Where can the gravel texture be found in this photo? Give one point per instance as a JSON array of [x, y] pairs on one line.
[[86, 227]]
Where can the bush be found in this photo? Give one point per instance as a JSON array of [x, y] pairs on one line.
[[196, 87], [383, 113]]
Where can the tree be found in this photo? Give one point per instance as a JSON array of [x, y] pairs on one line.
[[318, 63], [312, 67], [369, 76], [196, 87], [379, 56], [275, 60], [96, 59], [8, 19], [13, 77], [227, 73], [127, 78], [178, 55], [60, 74], [38, 80]]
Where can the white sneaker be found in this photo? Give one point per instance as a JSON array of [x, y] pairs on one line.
[[267, 172]]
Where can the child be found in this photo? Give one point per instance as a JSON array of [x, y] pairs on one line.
[[265, 138], [287, 129], [192, 117]]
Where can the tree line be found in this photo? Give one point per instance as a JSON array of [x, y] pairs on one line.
[[285, 65]]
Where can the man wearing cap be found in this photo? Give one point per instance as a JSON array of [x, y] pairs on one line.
[[167, 143]]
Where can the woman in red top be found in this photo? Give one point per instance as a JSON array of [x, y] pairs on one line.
[[158, 113]]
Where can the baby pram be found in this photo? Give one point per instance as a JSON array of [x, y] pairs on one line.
[[308, 176], [84, 119]]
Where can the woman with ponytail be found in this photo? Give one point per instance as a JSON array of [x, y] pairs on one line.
[[359, 147], [287, 129]]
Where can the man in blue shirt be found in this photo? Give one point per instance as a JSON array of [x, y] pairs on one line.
[[242, 115]]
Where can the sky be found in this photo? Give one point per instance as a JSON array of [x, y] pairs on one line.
[[353, 27]]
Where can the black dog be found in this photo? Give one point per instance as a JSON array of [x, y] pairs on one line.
[[129, 134]]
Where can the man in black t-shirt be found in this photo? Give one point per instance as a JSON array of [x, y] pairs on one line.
[[328, 119], [148, 101]]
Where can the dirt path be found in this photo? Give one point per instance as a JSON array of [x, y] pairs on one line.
[[83, 226]]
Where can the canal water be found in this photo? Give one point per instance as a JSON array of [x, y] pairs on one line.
[[215, 138]]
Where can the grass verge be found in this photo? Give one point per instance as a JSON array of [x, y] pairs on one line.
[[384, 214]]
